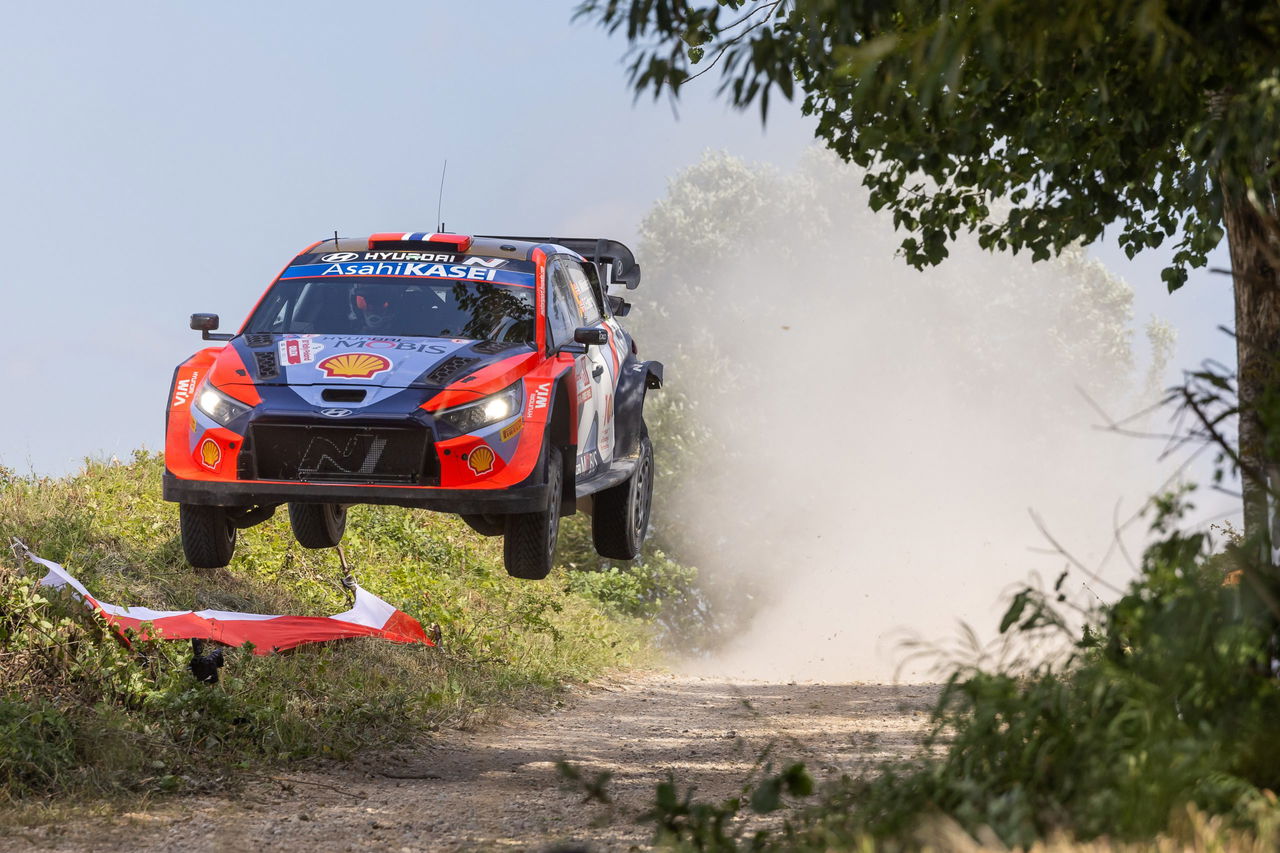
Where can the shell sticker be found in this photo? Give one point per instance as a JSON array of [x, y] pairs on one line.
[[480, 460], [210, 453], [354, 365]]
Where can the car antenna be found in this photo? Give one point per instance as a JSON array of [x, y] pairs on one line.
[[335, 238], [440, 200]]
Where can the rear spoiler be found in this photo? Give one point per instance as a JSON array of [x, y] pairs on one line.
[[614, 261]]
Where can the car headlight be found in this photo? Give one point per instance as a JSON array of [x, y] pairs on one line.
[[219, 406], [485, 411]]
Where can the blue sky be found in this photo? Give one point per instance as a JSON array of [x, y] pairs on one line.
[[161, 158]]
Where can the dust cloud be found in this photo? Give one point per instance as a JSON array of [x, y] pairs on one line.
[[853, 448]]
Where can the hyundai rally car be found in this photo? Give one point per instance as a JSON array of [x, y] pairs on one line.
[[483, 376]]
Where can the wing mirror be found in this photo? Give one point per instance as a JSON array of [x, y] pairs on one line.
[[591, 336], [618, 306], [206, 323]]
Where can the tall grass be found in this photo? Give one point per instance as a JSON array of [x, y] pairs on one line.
[[80, 713]]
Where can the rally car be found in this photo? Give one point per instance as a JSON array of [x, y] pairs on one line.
[[483, 376]]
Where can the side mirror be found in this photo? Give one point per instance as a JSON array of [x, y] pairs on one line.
[[591, 336], [206, 323], [618, 306]]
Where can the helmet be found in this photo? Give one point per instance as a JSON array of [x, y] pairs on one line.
[[375, 304]]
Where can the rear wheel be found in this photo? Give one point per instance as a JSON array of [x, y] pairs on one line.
[[620, 515], [208, 536], [318, 525], [531, 537]]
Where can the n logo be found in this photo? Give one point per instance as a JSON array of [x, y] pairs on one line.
[[358, 456]]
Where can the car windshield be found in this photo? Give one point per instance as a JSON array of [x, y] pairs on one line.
[[357, 305]]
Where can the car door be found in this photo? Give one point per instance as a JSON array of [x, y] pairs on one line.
[[603, 363], [566, 314]]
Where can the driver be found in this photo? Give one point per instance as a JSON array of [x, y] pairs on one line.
[[377, 306]]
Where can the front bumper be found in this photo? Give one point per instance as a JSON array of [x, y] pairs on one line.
[[522, 498]]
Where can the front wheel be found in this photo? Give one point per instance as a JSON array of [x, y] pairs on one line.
[[620, 515], [208, 536], [318, 525], [531, 537]]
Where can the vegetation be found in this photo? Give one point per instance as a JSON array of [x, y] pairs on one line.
[[1032, 126], [81, 713]]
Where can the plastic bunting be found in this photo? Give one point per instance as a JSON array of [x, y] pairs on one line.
[[370, 616]]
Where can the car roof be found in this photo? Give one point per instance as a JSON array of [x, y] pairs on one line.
[[512, 248]]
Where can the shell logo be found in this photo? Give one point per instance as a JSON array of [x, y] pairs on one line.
[[480, 460], [210, 453], [354, 365]]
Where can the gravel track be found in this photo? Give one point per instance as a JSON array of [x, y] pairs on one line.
[[499, 789]]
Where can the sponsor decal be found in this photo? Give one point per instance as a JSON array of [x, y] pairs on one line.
[[335, 413], [410, 268], [480, 460], [192, 425], [428, 257], [184, 388], [354, 365], [512, 430], [539, 397], [424, 257], [413, 269], [583, 379], [210, 453], [299, 350], [391, 344], [586, 463], [606, 432]]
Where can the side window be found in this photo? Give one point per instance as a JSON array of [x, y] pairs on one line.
[[592, 309], [562, 310]]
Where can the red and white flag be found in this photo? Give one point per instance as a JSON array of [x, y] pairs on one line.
[[369, 617]]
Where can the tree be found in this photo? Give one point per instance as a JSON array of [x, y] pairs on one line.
[[1159, 118]]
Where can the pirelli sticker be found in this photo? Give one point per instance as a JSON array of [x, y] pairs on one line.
[[512, 430]]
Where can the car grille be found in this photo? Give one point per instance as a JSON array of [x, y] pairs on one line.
[[350, 453]]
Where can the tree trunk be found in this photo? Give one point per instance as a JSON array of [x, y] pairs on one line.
[[1250, 237]]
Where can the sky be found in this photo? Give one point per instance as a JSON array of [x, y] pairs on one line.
[[160, 159]]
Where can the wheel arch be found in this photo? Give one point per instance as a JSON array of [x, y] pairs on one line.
[[628, 404], [561, 434]]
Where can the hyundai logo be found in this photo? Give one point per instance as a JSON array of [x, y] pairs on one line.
[[340, 256], [335, 413]]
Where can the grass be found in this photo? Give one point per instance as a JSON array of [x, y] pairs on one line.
[[81, 715]]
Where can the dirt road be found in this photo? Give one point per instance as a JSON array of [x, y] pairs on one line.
[[499, 789]]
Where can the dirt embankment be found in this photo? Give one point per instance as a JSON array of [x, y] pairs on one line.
[[499, 788]]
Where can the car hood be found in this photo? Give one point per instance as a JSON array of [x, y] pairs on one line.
[[360, 360]]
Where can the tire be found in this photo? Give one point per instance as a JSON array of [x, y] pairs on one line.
[[620, 515], [208, 536], [486, 525], [530, 544], [318, 525]]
